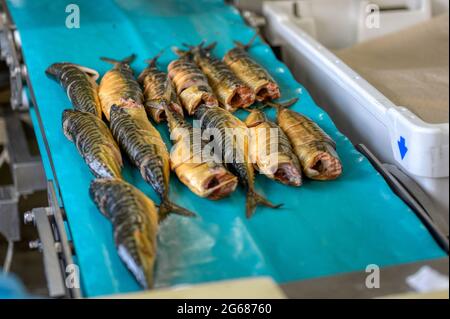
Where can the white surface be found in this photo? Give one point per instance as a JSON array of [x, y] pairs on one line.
[[245, 288], [427, 280], [359, 110]]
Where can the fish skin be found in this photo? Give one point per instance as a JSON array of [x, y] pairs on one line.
[[286, 167], [119, 86], [252, 73], [144, 146], [205, 177], [191, 84], [158, 92], [314, 148], [135, 225], [94, 142], [222, 120], [80, 85], [231, 92]]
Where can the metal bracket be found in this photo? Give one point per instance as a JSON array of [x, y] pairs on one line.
[[54, 244], [9, 215], [27, 170], [10, 52]]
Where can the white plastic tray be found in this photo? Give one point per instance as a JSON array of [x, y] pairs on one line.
[[366, 116]]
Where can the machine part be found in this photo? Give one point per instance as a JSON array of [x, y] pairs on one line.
[[10, 52], [27, 170], [392, 280], [9, 215], [254, 20], [414, 190], [250, 5], [54, 245], [46, 244], [9, 256], [436, 226]]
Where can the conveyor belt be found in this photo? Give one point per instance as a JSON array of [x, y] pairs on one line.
[[325, 228]]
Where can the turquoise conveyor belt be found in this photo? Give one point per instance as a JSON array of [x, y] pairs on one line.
[[325, 228]]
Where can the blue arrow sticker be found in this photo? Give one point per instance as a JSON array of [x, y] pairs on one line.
[[402, 147]]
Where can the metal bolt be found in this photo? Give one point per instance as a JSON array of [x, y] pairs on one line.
[[35, 244], [58, 248], [28, 218]]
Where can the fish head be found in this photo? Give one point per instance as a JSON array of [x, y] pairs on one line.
[[56, 69]]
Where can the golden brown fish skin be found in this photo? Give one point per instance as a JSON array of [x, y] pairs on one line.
[[231, 92], [314, 148], [252, 73], [158, 92], [80, 85], [235, 151], [203, 176], [135, 225], [281, 163], [94, 142], [144, 146], [191, 84], [119, 86]]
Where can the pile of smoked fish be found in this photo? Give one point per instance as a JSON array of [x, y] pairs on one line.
[[115, 117]]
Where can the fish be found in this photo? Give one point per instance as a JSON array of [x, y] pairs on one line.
[[232, 138], [135, 220], [80, 85], [315, 149], [191, 84], [119, 86], [202, 174], [271, 151], [253, 74], [158, 91], [231, 92], [145, 148], [94, 142]]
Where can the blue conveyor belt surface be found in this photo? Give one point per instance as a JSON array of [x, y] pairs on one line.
[[324, 228]]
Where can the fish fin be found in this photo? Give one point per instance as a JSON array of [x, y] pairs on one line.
[[191, 47], [210, 47], [281, 105], [126, 60], [254, 200], [201, 47], [180, 52], [152, 62], [249, 44], [167, 207]]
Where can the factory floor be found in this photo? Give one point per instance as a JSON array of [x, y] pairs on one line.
[[27, 265]]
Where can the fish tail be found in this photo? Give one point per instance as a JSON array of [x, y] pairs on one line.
[[167, 207], [180, 52], [201, 47], [254, 199], [152, 62], [249, 44], [126, 60]]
